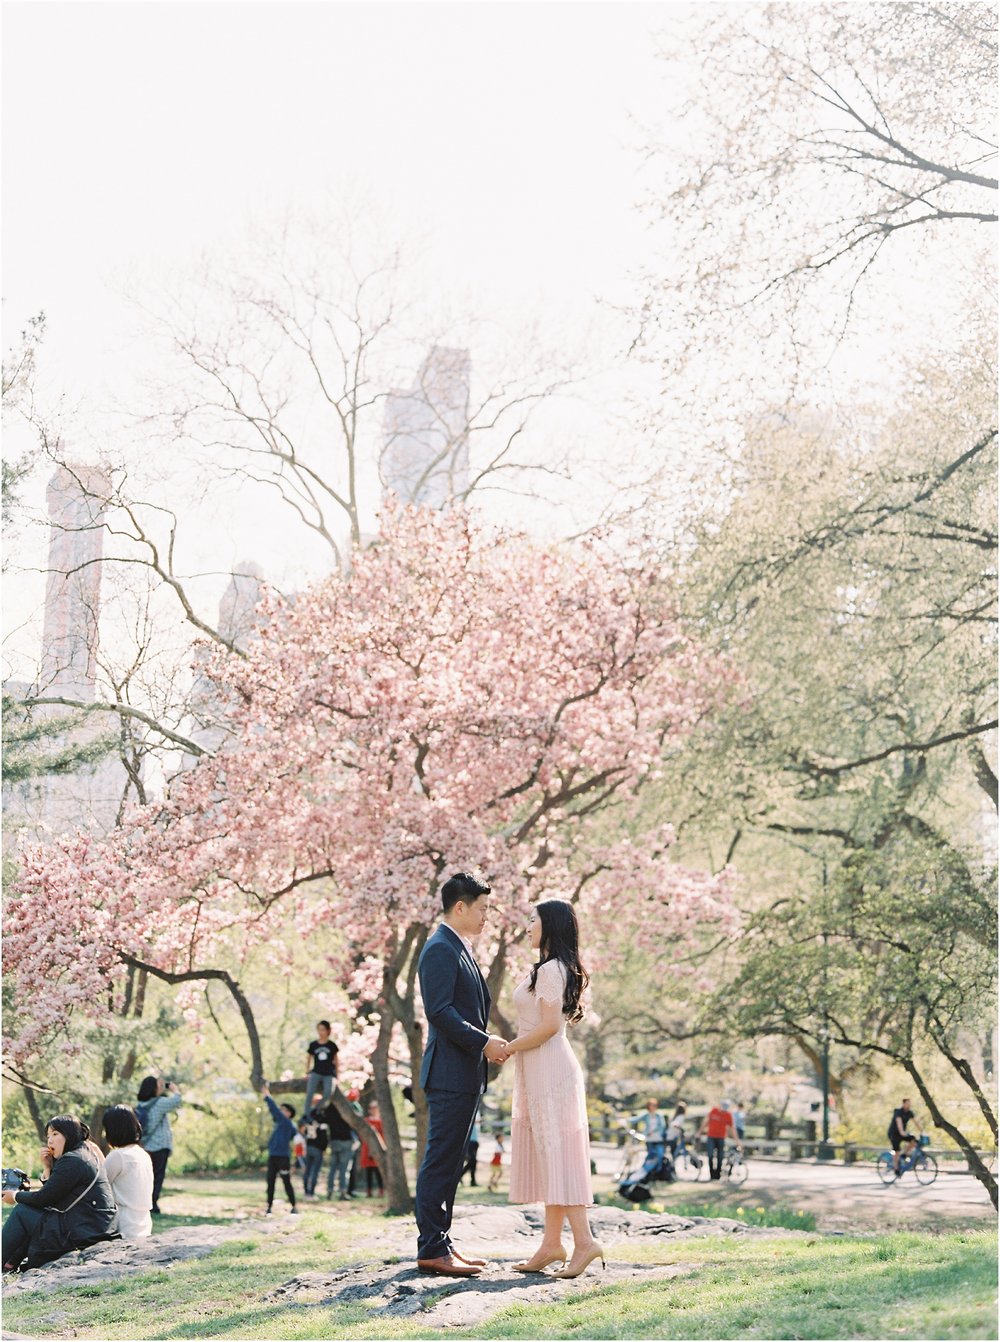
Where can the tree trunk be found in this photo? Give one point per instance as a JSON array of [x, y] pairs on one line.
[[976, 1166], [390, 1161], [31, 1101]]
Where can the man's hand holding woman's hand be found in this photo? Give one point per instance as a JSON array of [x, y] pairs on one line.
[[496, 1049]]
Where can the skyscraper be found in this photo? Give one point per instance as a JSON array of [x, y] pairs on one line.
[[425, 453]]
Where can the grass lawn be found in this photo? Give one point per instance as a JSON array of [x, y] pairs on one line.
[[808, 1286]]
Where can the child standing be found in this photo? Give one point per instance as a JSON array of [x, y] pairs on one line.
[[372, 1171], [278, 1161], [496, 1164]]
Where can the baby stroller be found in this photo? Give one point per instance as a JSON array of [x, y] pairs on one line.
[[636, 1173]]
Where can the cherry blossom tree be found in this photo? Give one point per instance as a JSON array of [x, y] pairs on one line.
[[459, 698]]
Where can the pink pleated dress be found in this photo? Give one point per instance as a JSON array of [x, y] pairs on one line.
[[550, 1142]]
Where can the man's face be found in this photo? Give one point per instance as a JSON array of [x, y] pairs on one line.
[[470, 918], [652, 1105], [906, 1106]]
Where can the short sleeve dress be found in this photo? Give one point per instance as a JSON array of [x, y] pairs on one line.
[[550, 1142]]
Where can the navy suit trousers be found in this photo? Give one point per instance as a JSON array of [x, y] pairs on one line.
[[450, 1115]]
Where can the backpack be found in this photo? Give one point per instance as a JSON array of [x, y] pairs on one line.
[[142, 1114]]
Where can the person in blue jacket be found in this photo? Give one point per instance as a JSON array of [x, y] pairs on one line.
[[278, 1160]]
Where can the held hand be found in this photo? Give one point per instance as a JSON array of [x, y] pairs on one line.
[[265, 1091], [496, 1049], [46, 1158]]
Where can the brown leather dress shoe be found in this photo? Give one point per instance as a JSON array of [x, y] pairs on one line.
[[464, 1258], [450, 1266]]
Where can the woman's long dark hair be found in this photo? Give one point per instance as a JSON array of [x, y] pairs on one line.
[[147, 1091], [72, 1128], [561, 941]]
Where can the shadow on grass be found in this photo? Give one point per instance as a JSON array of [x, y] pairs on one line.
[[170, 1222]]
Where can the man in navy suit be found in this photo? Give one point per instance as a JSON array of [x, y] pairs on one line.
[[453, 1072]]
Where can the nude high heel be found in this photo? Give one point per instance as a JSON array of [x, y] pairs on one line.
[[596, 1252], [557, 1257]]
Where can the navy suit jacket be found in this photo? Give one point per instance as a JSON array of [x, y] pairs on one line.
[[457, 1005]]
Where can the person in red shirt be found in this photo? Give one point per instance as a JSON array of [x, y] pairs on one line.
[[716, 1126], [373, 1175]]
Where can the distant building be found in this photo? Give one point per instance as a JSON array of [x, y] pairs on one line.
[[54, 803], [206, 725], [425, 454]]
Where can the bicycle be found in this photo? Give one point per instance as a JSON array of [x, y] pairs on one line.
[[687, 1164], [923, 1165], [737, 1169], [633, 1154]]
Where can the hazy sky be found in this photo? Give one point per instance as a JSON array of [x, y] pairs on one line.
[[499, 136], [136, 135]]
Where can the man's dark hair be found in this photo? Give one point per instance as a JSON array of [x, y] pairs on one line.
[[121, 1126], [462, 887], [289, 1109], [324, 1023]]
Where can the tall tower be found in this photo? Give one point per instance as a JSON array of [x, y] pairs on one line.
[[425, 453], [237, 621], [90, 796], [76, 498]]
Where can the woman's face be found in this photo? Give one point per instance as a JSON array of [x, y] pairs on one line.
[[56, 1142], [161, 1085], [535, 928]]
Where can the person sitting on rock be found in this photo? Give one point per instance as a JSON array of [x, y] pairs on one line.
[[75, 1185], [129, 1171]]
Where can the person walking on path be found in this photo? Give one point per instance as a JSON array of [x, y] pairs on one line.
[[158, 1099], [740, 1122], [550, 1137], [472, 1153], [677, 1129], [129, 1171], [496, 1164], [716, 1126], [453, 1071], [278, 1161], [321, 1065], [317, 1140]]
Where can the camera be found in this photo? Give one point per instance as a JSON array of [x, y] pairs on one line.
[[12, 1180]]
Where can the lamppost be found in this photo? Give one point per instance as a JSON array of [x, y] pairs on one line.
[[825, 1150]]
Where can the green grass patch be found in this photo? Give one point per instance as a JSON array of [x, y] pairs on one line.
[[905, 1285], [783, 1218]]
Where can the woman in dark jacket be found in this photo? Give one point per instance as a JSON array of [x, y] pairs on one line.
[[75, 1184]]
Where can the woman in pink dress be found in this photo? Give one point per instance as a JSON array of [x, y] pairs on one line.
[[550, 1143]]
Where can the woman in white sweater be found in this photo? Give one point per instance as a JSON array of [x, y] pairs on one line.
[[129, 1171]]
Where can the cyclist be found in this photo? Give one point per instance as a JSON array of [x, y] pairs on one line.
[[897, 1134]]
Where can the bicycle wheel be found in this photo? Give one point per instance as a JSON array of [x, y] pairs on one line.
[[688, 1166], [925, 1171], [737, 1170], [885, 1170]]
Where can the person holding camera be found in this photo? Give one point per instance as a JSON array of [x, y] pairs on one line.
[[73, 1208], [157, 1100]]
